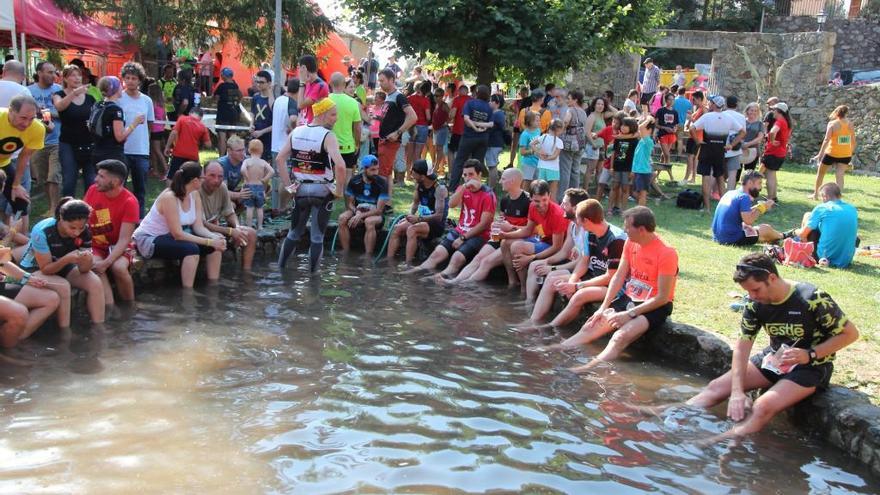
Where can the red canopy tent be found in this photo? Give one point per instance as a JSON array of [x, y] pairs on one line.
[[45, 25]]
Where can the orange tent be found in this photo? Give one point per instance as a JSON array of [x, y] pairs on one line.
[[329, 55]]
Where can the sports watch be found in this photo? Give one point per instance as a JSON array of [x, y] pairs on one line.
[[813, 356], [632, 313]]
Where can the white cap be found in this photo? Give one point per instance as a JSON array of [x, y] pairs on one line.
[[781, 106]]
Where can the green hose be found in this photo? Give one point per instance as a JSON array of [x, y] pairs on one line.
[[388, 236]]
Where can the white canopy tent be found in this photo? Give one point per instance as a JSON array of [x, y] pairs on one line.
[[7, 22]]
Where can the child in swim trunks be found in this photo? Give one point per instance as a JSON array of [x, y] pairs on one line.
[[255, 173]]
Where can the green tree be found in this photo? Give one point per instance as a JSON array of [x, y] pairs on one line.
[[534, 39], [199, 22]]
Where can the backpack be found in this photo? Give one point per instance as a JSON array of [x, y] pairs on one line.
[[689, 199], [798, 253], [95, 123], [575, 137]]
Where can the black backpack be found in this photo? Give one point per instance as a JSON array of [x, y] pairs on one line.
[[689, 199], [96, 118]]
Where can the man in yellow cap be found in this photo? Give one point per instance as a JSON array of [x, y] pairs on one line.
[[315, 164]]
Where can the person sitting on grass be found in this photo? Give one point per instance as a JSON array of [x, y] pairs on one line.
[[589, 279], [541, 237], [31, 293], [365, 197], [255, 172], [832, 227], [60, 251], [427, 215], [806, 328], [560, 264], [735, 216], [514, 214], [477, 204], [640, 294], [115, 214]]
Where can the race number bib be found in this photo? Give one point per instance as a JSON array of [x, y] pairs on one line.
[[668, 118], [637, 290], [844, 139]]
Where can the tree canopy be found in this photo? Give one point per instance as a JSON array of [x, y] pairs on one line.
[[532, 39], [199, 22]]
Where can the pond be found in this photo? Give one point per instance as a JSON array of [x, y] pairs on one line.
[[363, 381]]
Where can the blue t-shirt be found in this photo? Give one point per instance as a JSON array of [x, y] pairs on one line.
[[838, 223], [642, 158], [478, 111], [682, 105], [364, 193], [232, 175], [496, 133], [727, 223], [44, 100], [524, 139], [45, 239], [261, 111]]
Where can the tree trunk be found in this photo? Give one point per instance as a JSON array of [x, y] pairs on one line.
[[485, 66]]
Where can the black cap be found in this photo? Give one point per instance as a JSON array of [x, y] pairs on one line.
[[732, 101], [421, 167]]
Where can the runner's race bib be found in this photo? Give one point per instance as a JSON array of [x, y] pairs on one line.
[[637, 290]]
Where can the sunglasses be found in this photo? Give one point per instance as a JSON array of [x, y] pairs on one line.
[[751, 268]]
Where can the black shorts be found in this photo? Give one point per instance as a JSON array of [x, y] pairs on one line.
[[655, 317], [745, 240], [834, 160], [436, 228], [174, 166], [453, 142], [805, 375], [772, 162], [691, 147], [750, 166], [158, 136], [63, 272], [469, 248], [350, 159], [711, 160], [646, 98]]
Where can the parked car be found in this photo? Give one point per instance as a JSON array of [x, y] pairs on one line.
[[862, 77]]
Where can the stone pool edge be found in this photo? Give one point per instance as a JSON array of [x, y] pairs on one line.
[[843, 417]]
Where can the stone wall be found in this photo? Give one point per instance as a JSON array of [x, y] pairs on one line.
[[858, 40], [810, 110]]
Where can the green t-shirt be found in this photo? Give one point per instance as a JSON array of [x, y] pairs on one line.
[[348, 112], [361, 93], [94, 92], [185, 54]]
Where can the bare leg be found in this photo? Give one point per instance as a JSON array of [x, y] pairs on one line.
[[398, 231], [767, 234], [122, 277], [580, 298], [438, 256], [249, 216], [507, 259], [487, 264], [771, 183], [455, 263], [544, 302], [371, 226], [472, 267], [259, 218], [61, 287], [840, 174], [14, 317], [40, 303], [820, 176], [413, 234], [343, 231], [94, 289], [247, 257], [212, 264], [188, 266], [707, 192]]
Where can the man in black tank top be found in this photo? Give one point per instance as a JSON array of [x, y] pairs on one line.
[[427, 215], [315, 167]]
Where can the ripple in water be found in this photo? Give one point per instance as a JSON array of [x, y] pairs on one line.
[[362, 382]]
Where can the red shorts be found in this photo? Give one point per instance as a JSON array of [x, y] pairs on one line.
[[129, 253], [387, 155], [668, 139]]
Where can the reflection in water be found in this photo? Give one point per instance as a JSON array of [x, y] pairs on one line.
[[362, 382]]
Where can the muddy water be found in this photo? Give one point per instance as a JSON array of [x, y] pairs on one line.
[[363, 383]]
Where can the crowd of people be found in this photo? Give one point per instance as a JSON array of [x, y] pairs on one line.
[[354, 138]]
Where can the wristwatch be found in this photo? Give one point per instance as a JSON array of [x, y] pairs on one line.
[[813, 356], [632, 313]]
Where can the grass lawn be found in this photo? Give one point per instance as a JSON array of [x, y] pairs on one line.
[[706, 268]]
